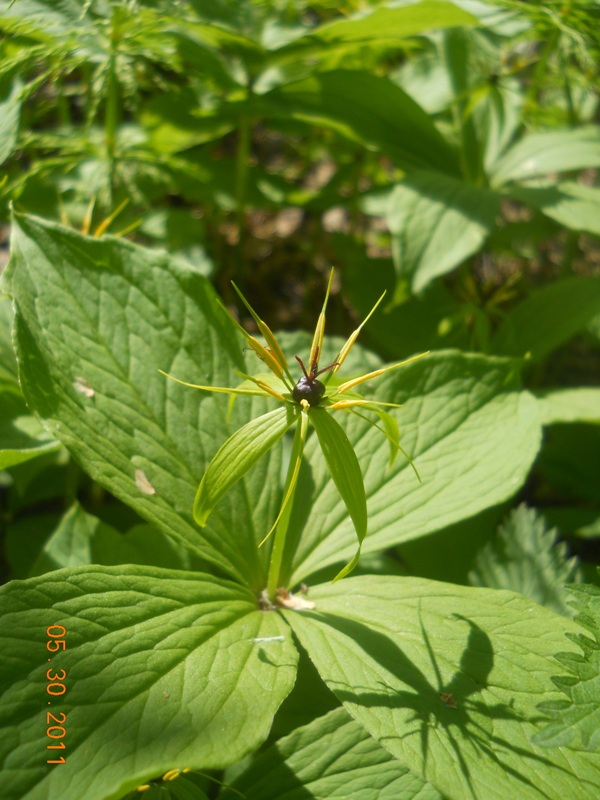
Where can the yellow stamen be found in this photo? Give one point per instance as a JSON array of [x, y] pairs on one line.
[[221, 389]]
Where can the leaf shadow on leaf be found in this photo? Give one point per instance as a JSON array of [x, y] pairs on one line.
[[447, 705]]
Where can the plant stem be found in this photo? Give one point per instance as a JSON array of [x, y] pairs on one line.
[[112, 107], [283, 524]]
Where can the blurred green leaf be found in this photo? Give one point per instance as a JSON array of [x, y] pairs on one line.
[[538, 154], [436, 223], [369, 110], [548, 317], [571, 204], [569, 405], [10, 110]]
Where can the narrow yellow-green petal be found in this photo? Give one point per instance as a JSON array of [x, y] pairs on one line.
[[317, 343], [341, 357], [376, 373], [258, 392], [267, 333]]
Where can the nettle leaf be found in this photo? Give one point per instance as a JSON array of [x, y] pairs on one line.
[[163, 671], [538, 154], [525, 557], [447, 679], [331, 757], [549, 317], [472, 433], [95, 321], [576, 721], [436, 223]]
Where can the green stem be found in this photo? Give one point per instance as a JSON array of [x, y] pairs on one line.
[[241, 183], [111, 119], [284, 521]]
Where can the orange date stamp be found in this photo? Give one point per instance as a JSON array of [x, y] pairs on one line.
[[55, 687]]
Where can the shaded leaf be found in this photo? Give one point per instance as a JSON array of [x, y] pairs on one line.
[[538, 154], [431, 670], [331, 757], [548, 317]]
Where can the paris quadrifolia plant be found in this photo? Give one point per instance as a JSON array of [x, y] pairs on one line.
[[309, 400]]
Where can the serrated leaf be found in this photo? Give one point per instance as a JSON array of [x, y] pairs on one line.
[[526, 557], [576, 721], [95, 321], [331, 757], [161, 668], [548, 317], [431, 670], [239, 454], [345, 470], [472, 433]]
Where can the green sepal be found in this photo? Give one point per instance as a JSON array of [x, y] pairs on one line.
[[346, 473], [239, 453]]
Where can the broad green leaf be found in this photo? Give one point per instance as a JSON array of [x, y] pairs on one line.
[[576, 721], [239, 454], [163, 669], [345, 472], [538, 154], [571, 204], [95, 321], [526, 557], [369, 110], [331, 757], [10, 110], [21, 436], [436, 223], [447, 678], [382, 27], [548, 317], [473, 435], [569, 405]]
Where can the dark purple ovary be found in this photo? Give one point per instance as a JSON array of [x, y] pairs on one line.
[[312, 391]]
